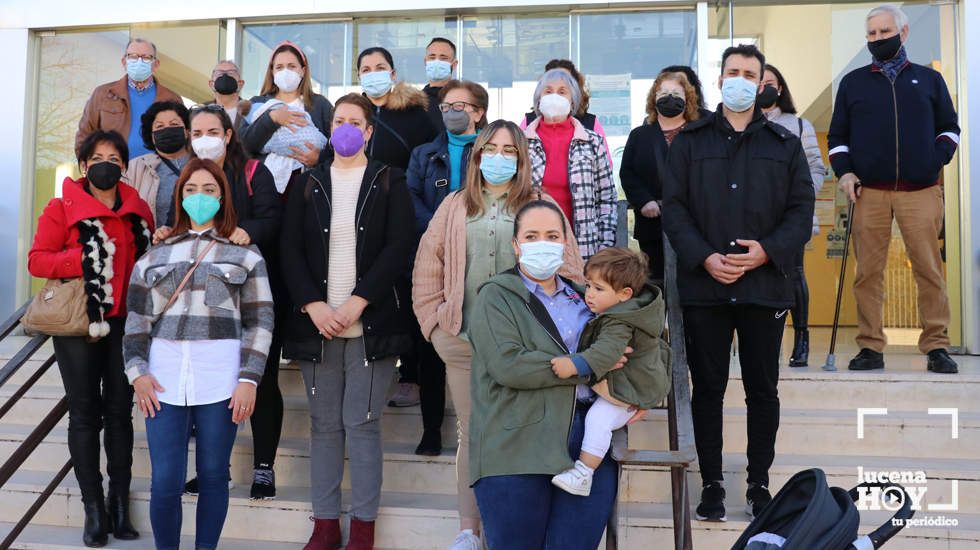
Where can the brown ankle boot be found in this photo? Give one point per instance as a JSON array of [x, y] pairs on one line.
[[326, 535], [361, 535]]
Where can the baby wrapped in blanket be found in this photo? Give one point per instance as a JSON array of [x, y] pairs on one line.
[[278, 150]]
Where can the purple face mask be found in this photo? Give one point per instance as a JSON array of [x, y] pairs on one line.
[[346, 140]]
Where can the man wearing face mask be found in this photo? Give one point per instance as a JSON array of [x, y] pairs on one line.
[[440, 64], [894, 128], [226, 83], [738, 203], [117, 106]]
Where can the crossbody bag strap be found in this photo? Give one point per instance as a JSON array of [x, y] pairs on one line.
[[171, 165], [187, 277]]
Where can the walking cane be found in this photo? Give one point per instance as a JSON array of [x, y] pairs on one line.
[[831, 364]]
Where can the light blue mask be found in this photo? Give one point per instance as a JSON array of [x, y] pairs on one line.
[[498, 169], [376, 84], [200, 207], [738, 93], [541, 259], [437, 70], [138, 70]]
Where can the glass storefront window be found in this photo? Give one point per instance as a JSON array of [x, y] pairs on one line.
[[406, 39], [507, 54], [187, 53], [325, 43]]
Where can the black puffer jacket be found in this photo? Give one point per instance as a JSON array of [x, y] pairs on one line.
[[721, 186], [400, 125], [385, 242]]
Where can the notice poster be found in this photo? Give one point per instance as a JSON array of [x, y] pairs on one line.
[[610, 102]]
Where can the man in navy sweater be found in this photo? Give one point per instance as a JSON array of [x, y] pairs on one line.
[[893, 129]]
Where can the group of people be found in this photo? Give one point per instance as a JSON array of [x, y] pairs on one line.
[[398, 232]]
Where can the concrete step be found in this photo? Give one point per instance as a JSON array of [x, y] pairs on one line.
[[405, 472], [49, 537], [422, 522]]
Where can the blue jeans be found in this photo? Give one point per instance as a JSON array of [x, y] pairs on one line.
[[167, 435], [527, 512]]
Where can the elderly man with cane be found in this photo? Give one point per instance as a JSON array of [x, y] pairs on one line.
[[893, 129]]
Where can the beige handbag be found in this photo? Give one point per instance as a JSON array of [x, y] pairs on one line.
[[59, 309]]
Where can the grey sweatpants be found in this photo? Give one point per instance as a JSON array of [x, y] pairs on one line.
[[346, 391]]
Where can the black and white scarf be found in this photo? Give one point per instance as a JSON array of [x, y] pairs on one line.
[[98, 252]]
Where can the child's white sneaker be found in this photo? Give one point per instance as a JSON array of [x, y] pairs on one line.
[[576, 480]]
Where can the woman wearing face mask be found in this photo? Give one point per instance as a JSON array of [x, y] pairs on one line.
[[467, 243], [344, 244], [526, 423], [258, 209], [777, 104], [164, 128], [199, 327], [400, 118], [437, 169], [570, 163], [287, 79], [671, 103], [97, 216]]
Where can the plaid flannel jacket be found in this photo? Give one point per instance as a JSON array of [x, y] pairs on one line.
[[591, 182], [227, 297]]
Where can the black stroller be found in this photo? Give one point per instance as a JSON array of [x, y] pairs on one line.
[[806, 514]]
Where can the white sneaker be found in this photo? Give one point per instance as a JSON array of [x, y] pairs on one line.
[[466, 540], [406, 396], [576, 480]]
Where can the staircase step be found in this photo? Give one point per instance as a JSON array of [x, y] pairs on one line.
[[50, 537], [422, 522]]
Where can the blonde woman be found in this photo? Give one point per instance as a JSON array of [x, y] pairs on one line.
[[469, 241]]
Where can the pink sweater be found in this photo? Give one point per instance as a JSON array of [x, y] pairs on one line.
[[439, 278]]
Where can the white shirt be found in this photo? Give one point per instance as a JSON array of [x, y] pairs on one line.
[[195, 372], [342, 271]]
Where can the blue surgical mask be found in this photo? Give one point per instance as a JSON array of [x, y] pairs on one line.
[[437, 70], [541, 259], [376, 84], [200, 207], [498, 169], [138, 70], [738, 93]]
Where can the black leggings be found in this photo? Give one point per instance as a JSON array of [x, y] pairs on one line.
[[266, 421], [99, 396], [801, 309]]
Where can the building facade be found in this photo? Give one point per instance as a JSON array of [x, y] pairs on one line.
[[58, 51]]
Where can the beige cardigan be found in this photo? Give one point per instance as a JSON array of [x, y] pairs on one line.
[[438, 281]]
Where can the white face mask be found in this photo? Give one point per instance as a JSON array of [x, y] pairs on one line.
[[287, 80], [208, 147], [554, 106]]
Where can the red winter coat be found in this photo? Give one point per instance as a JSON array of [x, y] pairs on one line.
[[56, 252]]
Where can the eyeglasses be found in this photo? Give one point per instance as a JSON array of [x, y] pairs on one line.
[[209, 107], [661, 95], [133, 57], [492, 149], [456, 106]]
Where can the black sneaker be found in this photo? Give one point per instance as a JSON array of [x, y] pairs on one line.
[[757, 497], [712, 506], [867, 360], [190, 488], [263, 485], [939, 361], [431, 444]]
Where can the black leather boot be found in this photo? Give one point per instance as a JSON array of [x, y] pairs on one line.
[[801, 348], [117, 506], [95, 533]]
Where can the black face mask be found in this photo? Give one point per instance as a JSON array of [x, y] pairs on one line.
[[103, 175], [225, 85], [886, 48], [670, 106], [170, 140], [767, 97]]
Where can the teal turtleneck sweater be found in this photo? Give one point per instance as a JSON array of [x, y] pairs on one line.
[[456, 145]]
